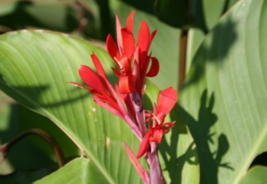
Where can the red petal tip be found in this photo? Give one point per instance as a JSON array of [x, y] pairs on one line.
[[144, 146], [154, 69], [111, 47]]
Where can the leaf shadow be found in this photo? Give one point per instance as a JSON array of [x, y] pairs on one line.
[[33, 95], [174, 163], [214, 50], [210, 161]]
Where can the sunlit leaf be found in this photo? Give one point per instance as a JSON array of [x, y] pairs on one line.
[[223, 100]]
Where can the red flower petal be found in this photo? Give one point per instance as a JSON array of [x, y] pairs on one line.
[[154, 69], [126, 84], [119, 105], [115, 72], [99, 68], [128, 42], [123, 96], [142, 173], [112, 47], [124, 65], [156, 136], [144, 145], [166, 101], [91, 79], [119, 37], [129, 23], [101, 103], [143, 37], [167, 126]]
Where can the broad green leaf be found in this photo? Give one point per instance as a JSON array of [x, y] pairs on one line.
[[35, 68], [206, 14], [165, 45], [223, 100], [79, 170], [257, 174]]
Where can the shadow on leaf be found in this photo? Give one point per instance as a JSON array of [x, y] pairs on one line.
[[175, 163], [213, 50], [209, 160]]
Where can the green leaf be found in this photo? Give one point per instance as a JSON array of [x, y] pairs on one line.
[[206, 14], [223, 100], [256, 174], [165, 45], [79, 170], [35, 68]]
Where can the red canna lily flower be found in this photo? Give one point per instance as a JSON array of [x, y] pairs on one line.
[[126, 50], [166, 101], [133, 60]]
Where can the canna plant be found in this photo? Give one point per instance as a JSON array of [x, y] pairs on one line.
[[125, 100], [213, 52]]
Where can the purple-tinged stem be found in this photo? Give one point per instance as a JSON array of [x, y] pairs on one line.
[[134, 128], [156, 176], [139, 111]]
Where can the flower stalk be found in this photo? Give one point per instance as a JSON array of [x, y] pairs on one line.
[[125, 100]]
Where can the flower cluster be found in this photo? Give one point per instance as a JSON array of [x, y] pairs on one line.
[[126, 99]]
